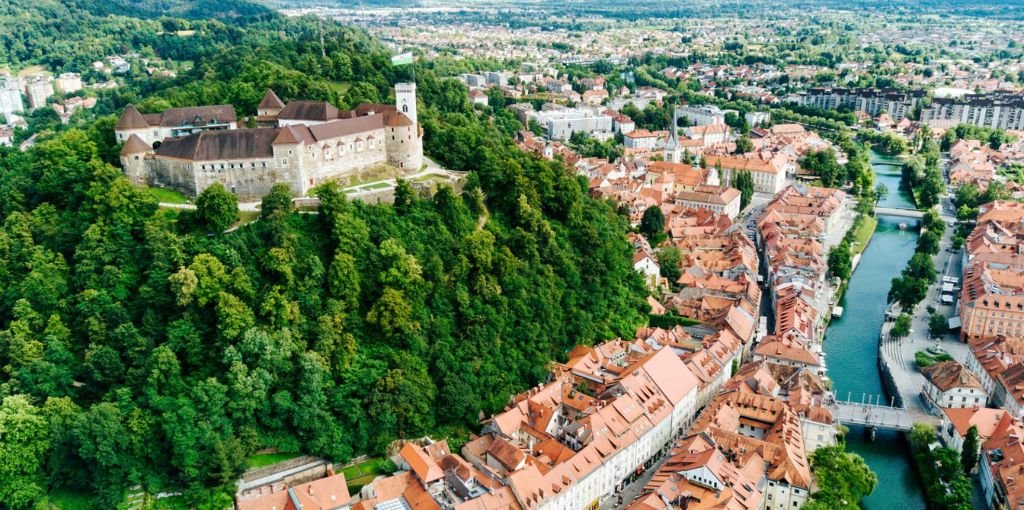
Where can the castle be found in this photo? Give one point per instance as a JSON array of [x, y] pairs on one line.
[[302, 143]]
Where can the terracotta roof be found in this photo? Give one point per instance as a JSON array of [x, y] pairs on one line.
[[396, 119], [346, 127], [985, 419], [131, 119], [221, 145], [198, 115], [321, 111], [951, 374], [270, 100], [426, 468], [323, 494], [135, 145]]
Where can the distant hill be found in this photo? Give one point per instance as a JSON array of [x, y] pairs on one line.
[[190, 9]]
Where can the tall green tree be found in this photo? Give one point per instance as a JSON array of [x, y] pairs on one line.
[[969, 451], [24, 445], [216, 208]]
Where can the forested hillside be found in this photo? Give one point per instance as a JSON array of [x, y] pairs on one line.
[[136, 349]]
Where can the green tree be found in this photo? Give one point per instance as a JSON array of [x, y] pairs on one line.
[[745, 183], [901, 327], [24, 445], [937, 325], [669, 258], [843, 479], [278, 201], [216, 208], [652, 224], [969, 452], [744, 145], [840, 260]]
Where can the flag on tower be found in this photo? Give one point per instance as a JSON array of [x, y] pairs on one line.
[[401, 60]]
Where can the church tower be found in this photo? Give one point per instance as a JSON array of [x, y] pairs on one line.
[[405, 100], [673, 153]]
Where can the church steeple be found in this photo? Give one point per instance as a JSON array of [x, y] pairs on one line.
[[672, 152]]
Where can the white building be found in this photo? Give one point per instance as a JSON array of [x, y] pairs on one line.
[[701, 115], [720, 199], [68, 83], [38, 89], [950, 385], [10, 100], [561, 123]]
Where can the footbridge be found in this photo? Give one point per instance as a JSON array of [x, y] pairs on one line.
[[895, 211], [872, 415]]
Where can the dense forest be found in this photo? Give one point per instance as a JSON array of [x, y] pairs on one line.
[[139, 349]]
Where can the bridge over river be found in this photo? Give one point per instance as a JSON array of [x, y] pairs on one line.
[[873, 415]]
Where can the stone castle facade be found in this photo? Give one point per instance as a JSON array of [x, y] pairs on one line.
[[303, 143]]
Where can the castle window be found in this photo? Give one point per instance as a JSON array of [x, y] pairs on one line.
[[405, 108], [284, 162]]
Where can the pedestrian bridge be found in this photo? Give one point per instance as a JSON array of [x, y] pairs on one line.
[[875, 416], [894, 211]]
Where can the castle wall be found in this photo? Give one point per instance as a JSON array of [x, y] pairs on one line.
[[172, 173], [339, 157]]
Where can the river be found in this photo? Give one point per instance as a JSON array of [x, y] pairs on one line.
[[887, 171], [851, 346]]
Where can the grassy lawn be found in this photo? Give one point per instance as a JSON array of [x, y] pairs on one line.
[[266, 459], [67, 499], [247, 217], [168, 196], [863, 233], [32, 70], [358, 475], [376, 185], [342, 86]]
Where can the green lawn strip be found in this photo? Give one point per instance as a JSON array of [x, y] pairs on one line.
[[863, 233], [247, 217], [266, 459], [167, 196]]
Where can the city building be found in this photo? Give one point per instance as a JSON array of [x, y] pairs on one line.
[[329, 493], [957, 422], [769, 175], [568, 444], [1002, 465], [720, 199], [10, 95], [38, 88], [68, 83], [992, 294], [700, 476], [701, 115], [897, 103], [950, 384], [561, 123], [999, 110]]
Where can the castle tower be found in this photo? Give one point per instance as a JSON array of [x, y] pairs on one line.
[[405, 100], [133, 160], [268, 109]]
